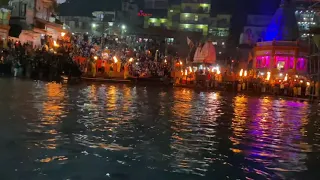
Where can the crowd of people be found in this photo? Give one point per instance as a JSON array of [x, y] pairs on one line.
[[85, 55], [118, 57], [24, 60]]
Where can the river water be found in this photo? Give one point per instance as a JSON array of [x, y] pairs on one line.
[[123, 132]]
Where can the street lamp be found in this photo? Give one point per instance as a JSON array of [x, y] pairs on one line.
[[123, 27], [94, 25]]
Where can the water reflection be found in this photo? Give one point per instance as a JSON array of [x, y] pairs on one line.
[[269, 133], [133, 132], [50, 104], [193, 139]]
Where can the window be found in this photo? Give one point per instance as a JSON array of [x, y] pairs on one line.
[[76, 24], [281, 65], [291, 63], [262, 61], [23, 9], [196, 17], [280, 62], [300, 64]]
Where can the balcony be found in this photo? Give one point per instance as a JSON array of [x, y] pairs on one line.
[[203, 21], [199, 10]]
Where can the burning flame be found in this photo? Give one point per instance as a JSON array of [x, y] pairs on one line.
[[55, 44], [268, 76], [286, 77], [241, 72], [115, 59]]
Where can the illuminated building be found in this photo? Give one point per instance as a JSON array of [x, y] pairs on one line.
[[307, 18], [281, 53], [36, 18], [219, 27], [189, 15]]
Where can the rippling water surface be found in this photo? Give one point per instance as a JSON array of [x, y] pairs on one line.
[[122, 132]]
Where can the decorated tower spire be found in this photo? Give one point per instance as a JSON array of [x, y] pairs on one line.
[[287, 3], [283, 26]]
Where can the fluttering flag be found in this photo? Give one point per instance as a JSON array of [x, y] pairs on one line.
[[190, 43], [250, 57]]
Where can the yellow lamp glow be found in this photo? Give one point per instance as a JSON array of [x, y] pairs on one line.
[[268, 76], [131, 59], [241, 73], [95, 57], [204, 5], [165, 61], [63, 34], [115, 59], [245, 73], [286, 77], [180, 62], [55, 44], [308, 83]]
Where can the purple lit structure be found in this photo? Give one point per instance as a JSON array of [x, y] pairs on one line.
[[282, 53]]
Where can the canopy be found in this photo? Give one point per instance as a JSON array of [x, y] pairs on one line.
[[205, 54]]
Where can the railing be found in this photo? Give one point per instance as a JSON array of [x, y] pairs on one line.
[[194, 22], [199, 10], [266, 43], [281, 43]]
